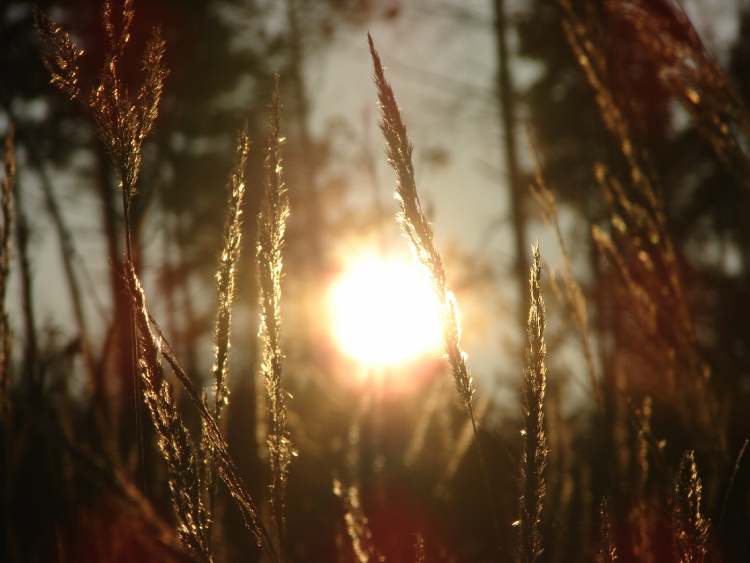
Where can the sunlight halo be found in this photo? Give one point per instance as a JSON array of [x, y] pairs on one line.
[[384, 312]]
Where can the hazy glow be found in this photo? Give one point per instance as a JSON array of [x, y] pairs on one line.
[[384, 312]]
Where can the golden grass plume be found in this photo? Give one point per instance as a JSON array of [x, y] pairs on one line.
[[226, 273], [534, 449], [272, 217]]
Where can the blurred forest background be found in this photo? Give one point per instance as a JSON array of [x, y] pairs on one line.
[[500, 108]]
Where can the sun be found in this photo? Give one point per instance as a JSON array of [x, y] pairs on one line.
[[384, 312]]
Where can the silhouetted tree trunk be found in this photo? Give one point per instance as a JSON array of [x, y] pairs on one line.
[[67, 257], [30, 356], [509, 141], [306, 171]]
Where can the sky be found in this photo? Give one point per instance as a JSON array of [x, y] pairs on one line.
[[440, 58], [442, 70]]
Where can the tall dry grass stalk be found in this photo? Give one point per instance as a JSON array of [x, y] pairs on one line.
[[693, 76], [691, 526], [534, 451], [591, 59], [183, 463], [644, 222], [60, 55], [175, 443], [639, 245], [154, 346], [418, 231], [225, 281], [416, 227], [272, 217], [572, 292], [123, 120], [226, 274], [192, 469], [357, 523], [6, 228], [607, 548], [647, 219]]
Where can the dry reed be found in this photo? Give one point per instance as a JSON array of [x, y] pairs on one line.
[[607, 548], [357, 524], [60, 56], [418, 231], [123, 121], [641, 248], [691, 526], [692, 76], [225, 281], [226, 274], [272, 217], [153, 346], [184, 472], [534, 450], [572, 292]]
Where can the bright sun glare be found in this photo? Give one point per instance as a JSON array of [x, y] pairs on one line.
[[385, 312]]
